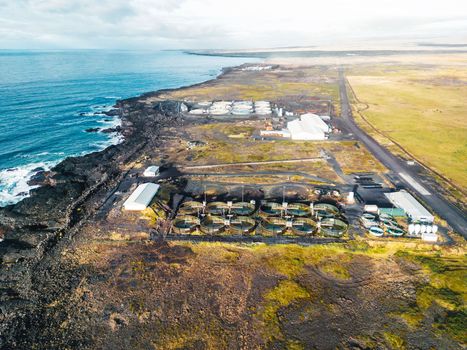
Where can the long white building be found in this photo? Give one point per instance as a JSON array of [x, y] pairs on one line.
[[141, 197], [412, 207]]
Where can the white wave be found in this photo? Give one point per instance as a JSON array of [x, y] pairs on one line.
[[102, 108], [14, 182], [41, 154], [114, 139], [111, 122]]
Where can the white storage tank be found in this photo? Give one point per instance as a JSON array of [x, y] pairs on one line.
[[417, 229]]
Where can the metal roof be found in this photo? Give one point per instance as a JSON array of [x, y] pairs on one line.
[[141, 197], [412, 207]]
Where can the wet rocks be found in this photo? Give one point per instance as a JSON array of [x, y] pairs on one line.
[[92, 130]]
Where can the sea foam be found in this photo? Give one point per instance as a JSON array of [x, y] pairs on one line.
[[14, 182]]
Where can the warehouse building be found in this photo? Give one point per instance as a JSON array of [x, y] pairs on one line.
[[141, 197], [414, 210], [316, 121], [307, 128]]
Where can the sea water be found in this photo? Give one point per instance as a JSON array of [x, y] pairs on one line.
[[49, 98]]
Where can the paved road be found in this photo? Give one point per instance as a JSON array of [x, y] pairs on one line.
[[455, 217]]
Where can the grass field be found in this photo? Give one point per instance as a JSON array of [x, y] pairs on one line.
[[423, 109], [221, 148]]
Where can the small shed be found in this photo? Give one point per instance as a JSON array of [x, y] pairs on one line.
[[141, 197], [151, 171]]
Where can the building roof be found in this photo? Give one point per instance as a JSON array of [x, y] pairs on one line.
[[141, 196], [412, 207], [315, 121], [151, 170], [302, 130]]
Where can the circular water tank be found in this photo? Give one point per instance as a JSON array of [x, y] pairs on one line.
[[417, 229], [422, 228], [428, 229], [411, 228], [434, 229]]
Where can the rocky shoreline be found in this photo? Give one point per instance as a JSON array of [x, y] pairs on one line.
[[37, 229]]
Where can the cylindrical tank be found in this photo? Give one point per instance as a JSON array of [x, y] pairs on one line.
[[242, 225], [217, 208], [422, 228], [411, 228], [333, 227], [212, 225], [271, 209], [298, 209], [434, 228], [191, 208], [273, 226], [185, 224], [303, 227], [429, 228], [417, 229], [242, 208]]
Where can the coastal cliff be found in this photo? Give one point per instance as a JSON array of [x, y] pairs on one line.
[[37, 229]]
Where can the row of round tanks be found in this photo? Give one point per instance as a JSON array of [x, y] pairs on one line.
[[273, 218]]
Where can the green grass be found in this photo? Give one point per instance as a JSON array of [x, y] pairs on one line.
[[422, 111], [446, 288], [394, 341], [336, 269], [283, 295]]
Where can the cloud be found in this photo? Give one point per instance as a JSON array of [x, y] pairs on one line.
[[222, 24]]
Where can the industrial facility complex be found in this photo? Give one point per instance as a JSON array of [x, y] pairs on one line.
[[338, 205], [320, 212]]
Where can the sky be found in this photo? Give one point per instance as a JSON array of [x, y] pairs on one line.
[[226, 24]]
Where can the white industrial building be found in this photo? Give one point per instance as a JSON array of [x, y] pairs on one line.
[[316, 121], [405, 201], [151, 171], [308, 127], [141, 197]]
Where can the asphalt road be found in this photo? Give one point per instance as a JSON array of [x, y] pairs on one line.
[[402, 172]]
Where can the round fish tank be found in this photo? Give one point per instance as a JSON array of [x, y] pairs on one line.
[[212, 225], [303, 227], [191, 208], [242, 209], [368, 220], [298, 210], [394, 231], [325, 210], [271, 209], [273, 226], [242, 225], [332, 227], [217, 208], [185, 224], [388, 222], [376, 231]]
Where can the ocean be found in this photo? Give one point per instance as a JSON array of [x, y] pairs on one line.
[[49, 98]]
